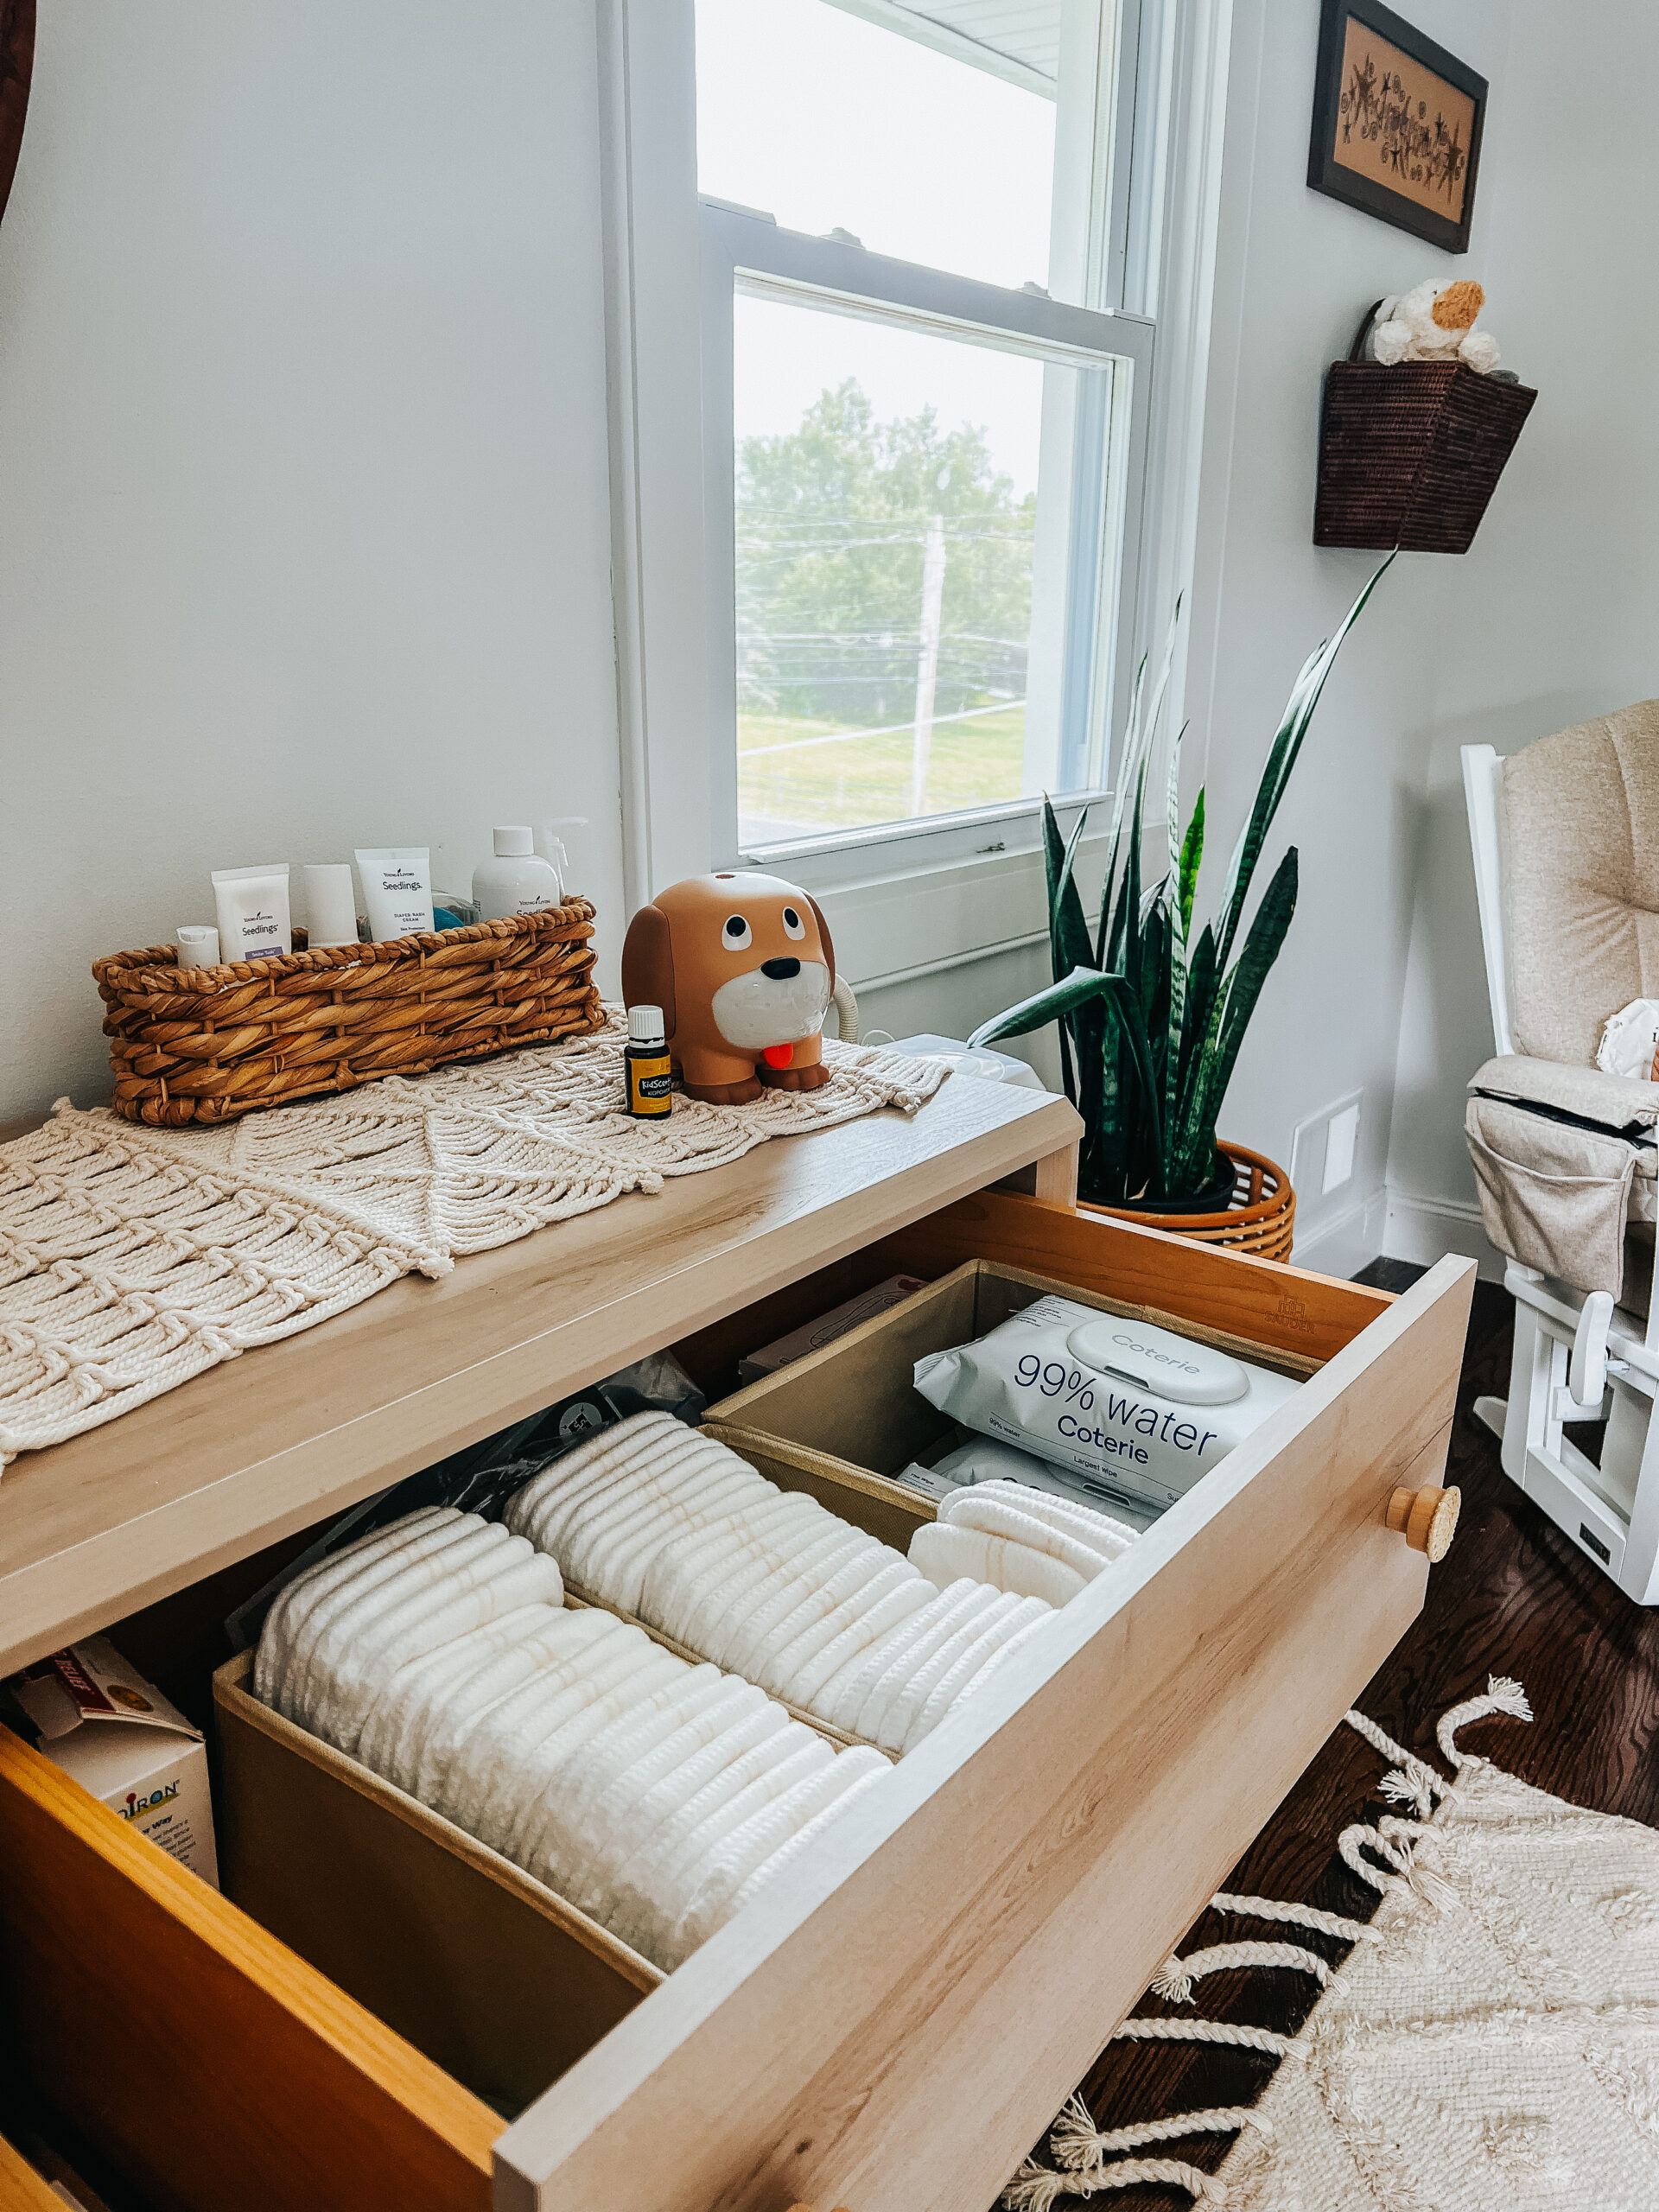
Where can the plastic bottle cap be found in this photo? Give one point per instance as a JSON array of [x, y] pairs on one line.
[[514, 843], [645, 1024], [197, 945]]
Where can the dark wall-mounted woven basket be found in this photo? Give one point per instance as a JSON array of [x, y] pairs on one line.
[[1410, 454]]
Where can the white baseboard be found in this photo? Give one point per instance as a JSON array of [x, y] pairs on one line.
[[1426, 1229], [1343, 1243], [1396, 1224]]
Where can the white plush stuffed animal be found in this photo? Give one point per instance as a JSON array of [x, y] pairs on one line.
[[1435, 322]]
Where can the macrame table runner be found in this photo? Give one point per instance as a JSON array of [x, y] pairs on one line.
[[133, 1258], [1489, 2044]]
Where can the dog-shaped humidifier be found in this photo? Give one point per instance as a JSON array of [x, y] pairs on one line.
[[742, 967]]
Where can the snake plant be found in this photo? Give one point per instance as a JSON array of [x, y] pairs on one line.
[[1150, 1021]]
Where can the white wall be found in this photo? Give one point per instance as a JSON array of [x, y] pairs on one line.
[[303, 498], [1556, 597]]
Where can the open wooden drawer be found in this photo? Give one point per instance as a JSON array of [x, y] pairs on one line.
[[896, 2030]]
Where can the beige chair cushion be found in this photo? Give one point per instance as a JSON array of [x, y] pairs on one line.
[[1580, 822]]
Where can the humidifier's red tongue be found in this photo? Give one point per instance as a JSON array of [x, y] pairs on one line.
[[778, 1056]]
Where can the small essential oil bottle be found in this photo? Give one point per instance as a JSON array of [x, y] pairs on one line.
[[647, 1064]]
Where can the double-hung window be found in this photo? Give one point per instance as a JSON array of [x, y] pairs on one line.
[[924, 411]]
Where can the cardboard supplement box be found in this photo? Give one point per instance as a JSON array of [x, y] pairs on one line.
[[116, 1734], [829, 1327]]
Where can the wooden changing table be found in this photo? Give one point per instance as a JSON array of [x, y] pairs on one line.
[[892, 2033]]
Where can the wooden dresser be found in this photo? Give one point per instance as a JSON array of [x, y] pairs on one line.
[[892, 2031]]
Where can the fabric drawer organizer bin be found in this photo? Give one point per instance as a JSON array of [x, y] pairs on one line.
[[299, 1025], [1025, 1870], [488, 1973], [848, 1416]]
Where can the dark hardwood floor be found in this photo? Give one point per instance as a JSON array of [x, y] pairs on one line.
[[1513, 1596]]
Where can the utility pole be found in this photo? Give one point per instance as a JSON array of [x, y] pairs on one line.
[[927, 659]]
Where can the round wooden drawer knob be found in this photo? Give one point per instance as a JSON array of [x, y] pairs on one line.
[[1427, 1518]]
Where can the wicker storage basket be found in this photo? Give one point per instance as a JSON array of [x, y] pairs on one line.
[[261, 1033], [1261, 1217], [1410, 454]]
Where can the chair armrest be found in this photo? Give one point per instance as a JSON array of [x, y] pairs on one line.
[[1616, 1103]]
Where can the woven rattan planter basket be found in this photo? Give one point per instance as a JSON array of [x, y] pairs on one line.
[[1409, 454], [261, 1033], [1261, 1219]]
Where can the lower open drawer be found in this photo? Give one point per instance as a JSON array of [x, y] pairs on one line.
[[894, 2027]]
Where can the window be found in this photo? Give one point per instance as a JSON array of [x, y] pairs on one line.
[[924, 414]]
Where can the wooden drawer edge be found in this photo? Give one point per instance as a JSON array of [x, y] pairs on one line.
[[22, 2189], [294, 2094], [1262, 1301], [766, 1451]]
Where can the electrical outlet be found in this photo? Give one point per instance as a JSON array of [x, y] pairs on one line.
[[1341, 1137], [1324, 1149]]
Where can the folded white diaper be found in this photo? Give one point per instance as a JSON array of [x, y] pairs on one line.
[[893, 1723], [303, 1609], [943, 1552], [770, 1585], [985, 1459], [1100, 1533], [352, 1616], [647, 1790], [771, 1870], [753, 1841], [996, 1515]]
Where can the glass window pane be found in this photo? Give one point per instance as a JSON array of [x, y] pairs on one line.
[[895, 525], [828, 122]]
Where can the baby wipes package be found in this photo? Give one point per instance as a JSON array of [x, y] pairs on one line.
[[1138, 1411]]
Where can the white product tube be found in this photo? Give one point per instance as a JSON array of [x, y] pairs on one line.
[[397, 888], [1139, 1412], [197, 945], [252, 904], [330, 905]]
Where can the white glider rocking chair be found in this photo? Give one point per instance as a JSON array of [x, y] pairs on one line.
[[1565, 838]]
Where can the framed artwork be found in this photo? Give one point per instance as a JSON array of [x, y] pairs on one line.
[[1396, 123], [16, 56]]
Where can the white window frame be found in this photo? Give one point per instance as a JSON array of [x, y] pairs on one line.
[[749, 253], [1141, 238]]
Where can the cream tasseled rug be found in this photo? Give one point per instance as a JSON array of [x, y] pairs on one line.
[[133, 1258], [1490, 2043]]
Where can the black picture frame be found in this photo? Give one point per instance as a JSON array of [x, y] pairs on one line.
[[16, 62], [1342, 181]]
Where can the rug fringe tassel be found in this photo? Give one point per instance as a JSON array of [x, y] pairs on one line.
[[1037, 2189], [1085, 2164], [1174, 1979], [1503, 1695]]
